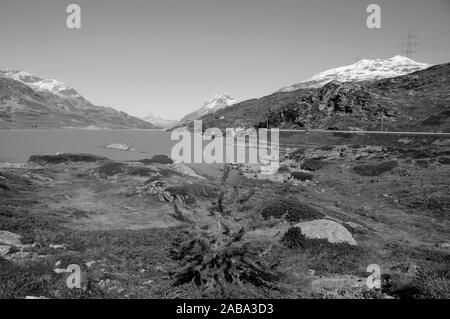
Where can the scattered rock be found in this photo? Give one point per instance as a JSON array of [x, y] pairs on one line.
[[23, 257], [326, 229], [159, 268], [148, 282], [10, 239], [89, 264], [60, 271], [445, 142], [158, 188], [54, 246], [413, 270], [4, 249]]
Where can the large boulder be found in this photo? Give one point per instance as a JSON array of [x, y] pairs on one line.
[[326, 229]]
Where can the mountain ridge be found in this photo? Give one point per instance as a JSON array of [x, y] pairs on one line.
[[362, 70], [399, 101], [29, 101], [159, 122]]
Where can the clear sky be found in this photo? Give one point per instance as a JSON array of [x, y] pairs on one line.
[[167, 57]]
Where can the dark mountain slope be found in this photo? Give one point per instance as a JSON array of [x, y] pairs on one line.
[[23, 107], [417, 101]]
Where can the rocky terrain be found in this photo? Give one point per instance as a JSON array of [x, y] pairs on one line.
[[414, 102], [28, 101], [154, 229]]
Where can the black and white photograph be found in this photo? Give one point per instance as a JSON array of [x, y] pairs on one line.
[[225, 150]]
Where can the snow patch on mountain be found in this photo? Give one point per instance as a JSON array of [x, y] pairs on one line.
[[363, 70], [35, 82], [217, 102]]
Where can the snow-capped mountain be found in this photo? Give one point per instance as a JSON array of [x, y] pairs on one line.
[[159, 122], [363, 70], [217, 102], [29, 101], [35, 82]]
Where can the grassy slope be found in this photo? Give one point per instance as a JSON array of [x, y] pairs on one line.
[[100, 217]]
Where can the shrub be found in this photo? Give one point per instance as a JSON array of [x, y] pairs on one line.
[[110, 169], [157, 159], [298, 153], [433, 120], [19, 282], [313, 164], [374, 169], [283, 169], [216, 263], [301, 176], [192, 191], [290, 209], [427, 283]]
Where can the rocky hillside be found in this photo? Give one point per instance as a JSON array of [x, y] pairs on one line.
[[363, 70], [417, 101], [28, 101]]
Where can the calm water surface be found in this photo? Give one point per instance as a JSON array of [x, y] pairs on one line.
[[16, 146]]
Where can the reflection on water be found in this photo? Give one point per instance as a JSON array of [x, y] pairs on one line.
[[18, 145]]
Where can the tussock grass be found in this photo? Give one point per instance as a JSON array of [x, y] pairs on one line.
[[374, 169], [325, 257], [290, 209]]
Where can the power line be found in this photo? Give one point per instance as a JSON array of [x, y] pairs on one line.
[[409, 45]]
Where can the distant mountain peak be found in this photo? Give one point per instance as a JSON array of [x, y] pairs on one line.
[[362, 70], [159, 122], [35, 82], [217, 102]]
